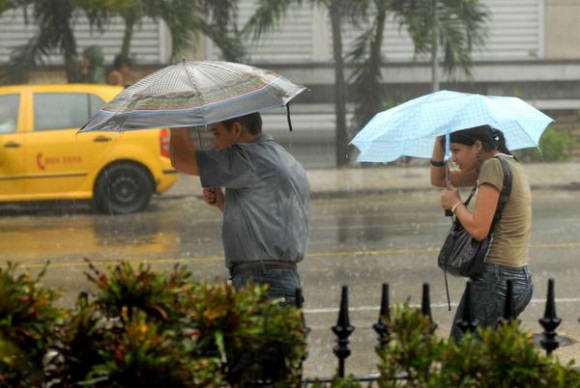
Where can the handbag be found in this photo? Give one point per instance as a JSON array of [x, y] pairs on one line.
[[461, 254]]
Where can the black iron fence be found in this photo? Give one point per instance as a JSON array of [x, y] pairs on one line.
[[343, 328]]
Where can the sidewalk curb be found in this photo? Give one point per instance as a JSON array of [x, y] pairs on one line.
[[331, 194]]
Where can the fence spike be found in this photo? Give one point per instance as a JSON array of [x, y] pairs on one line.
[[550, 321], [509, 312], [426, 305], [466, 322], [384, 316], [342, 330], [299, 300]]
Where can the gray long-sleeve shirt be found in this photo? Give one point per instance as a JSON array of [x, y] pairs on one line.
[[267, 200]]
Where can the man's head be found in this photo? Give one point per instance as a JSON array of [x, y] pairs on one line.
[[243, 129], [122, 63]]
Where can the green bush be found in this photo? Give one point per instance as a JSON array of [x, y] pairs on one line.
[[504, 356], [27, 316], [553, 148], [140, 328]]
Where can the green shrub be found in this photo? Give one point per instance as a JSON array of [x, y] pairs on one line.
[[504, 356], [553, 148], [148, 329], [27, 317]]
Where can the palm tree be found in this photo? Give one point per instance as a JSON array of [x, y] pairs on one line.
[[455, 26], [270, 12], [55, 19], [185, 19], [367, 91]]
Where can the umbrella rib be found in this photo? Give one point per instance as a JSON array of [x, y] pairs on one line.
[[196, 90]]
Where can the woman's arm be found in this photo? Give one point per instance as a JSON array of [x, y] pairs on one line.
[[442, 175], [478, 223]]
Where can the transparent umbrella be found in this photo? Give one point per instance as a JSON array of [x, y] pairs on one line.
[[194, 94]]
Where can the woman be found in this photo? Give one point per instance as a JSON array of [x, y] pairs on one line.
[[475, 152], [92, 68]]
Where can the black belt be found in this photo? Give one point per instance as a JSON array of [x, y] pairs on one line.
[[251, 266]]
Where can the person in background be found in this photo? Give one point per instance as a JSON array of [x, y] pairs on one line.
[[265, 203], [119, 75], [475, 151], [92, 65]]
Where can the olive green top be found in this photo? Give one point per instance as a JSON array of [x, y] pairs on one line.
[[512, 233]]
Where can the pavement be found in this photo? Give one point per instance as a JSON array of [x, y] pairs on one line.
[[377, 179]]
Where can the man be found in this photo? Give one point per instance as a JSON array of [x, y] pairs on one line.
[[265, 202]]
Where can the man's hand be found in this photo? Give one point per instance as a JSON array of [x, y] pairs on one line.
[[214, 196]]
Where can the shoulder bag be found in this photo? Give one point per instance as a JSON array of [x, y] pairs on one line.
[[461, 254]]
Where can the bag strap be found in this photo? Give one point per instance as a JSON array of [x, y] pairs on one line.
[[505, 192]]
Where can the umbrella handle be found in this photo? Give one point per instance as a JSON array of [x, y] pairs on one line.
[[448, 213]]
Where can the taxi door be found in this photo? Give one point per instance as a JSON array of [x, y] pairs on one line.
[[59, 160], [12, 169]]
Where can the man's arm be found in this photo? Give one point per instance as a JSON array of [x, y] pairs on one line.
[[182, 151]]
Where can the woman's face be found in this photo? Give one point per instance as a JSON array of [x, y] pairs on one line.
[[465, 156]]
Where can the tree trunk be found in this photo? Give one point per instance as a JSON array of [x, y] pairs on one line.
[[435, 50], [128, 36], [339, 85], [71, 63]]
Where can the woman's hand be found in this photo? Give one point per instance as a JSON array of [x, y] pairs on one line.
[[450, 198]]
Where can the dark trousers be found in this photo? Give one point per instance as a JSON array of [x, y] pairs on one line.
[[488, 295]]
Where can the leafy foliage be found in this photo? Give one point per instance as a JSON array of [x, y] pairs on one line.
[[553, 147], [164, 329], [503, 356], [185, 19], [27, 315]]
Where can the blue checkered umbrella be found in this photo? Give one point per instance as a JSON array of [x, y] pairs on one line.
[[410, 129]]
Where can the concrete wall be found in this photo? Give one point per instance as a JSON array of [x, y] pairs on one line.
[[562, 39]]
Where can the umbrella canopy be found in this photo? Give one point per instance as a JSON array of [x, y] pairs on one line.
[[410, 129], [194, 94]]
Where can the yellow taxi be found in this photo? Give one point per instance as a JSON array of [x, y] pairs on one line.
[[42, 157]]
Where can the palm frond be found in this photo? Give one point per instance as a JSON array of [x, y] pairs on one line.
[[367, 89], [267, 16]]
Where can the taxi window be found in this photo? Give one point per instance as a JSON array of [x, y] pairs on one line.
[[64, 110], [9, 105]]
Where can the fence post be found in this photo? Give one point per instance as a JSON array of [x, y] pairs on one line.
[[426, 305], [342, 330], [299, 300], [466, 323], [550, 321], [384, 315]]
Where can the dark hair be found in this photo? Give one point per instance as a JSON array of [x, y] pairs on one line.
[[121, 60], [252, 122], [490, 138]]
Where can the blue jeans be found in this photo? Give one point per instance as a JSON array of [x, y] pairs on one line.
[[282, 282], [488, 293]]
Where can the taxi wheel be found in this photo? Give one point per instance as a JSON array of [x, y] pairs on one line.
[[123, 188]]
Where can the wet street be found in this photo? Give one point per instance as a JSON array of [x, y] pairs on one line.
[[359, 241]]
